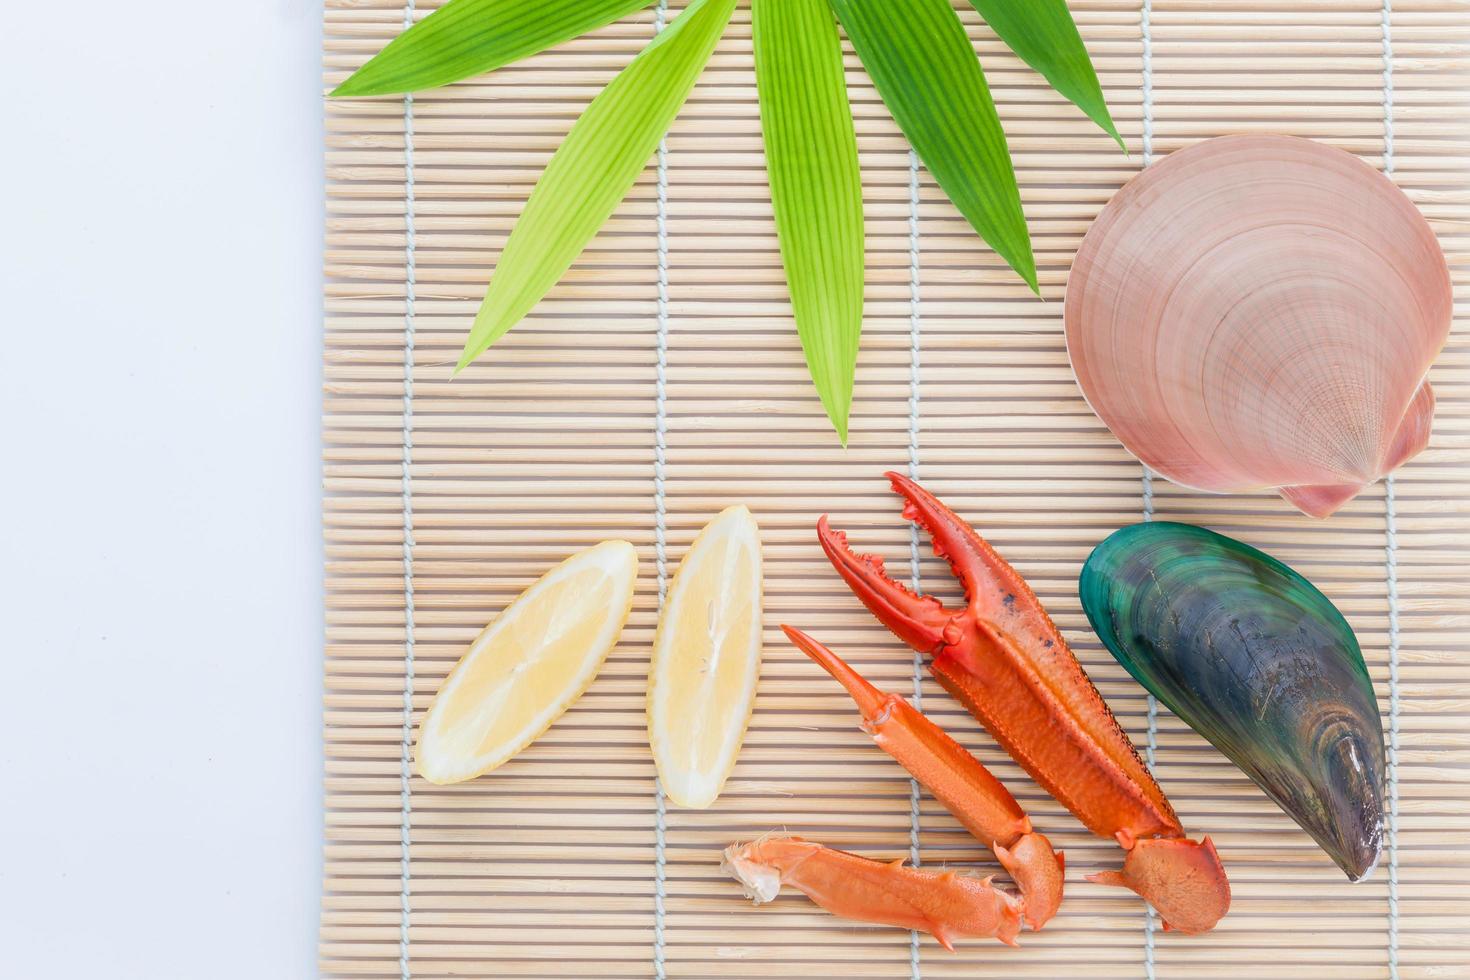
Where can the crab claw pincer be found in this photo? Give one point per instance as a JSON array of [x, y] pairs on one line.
[[1004, 660]]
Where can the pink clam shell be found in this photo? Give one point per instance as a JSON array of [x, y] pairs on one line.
[[1260, 312]]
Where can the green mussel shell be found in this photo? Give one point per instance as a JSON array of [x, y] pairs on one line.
[[1257, 661]]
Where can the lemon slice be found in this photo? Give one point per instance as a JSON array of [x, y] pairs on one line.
[[529, 664], [706, 660]]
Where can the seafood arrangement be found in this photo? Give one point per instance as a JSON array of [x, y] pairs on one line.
[[1237, 644], [1238, 328], [1241, 647], [1257, 661]]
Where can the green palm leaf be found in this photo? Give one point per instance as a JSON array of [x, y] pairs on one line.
[[916, 51], [467, 37], [1043, 34], [816, 187], [595, 167], [925, 69]]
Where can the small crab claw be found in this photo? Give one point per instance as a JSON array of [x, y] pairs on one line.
[[1181, 878], [958, 780]]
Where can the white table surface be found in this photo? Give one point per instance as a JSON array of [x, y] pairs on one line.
[[160, 242]]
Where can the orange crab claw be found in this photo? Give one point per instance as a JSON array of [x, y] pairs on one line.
[[948, 905], [1005, 661], [957, 779]]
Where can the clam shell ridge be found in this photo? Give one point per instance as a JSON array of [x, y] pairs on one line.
[[1260, 312], [1253, 657]]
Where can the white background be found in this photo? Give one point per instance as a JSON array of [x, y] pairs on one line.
[[160, 556]]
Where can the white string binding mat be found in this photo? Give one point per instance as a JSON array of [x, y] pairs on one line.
[[1150, 921], [660, 516], [914, 791], [1391, 574], [405, 772]]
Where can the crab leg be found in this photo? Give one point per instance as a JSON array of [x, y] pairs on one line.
[[1005, 661], [949, 905], [957, 779]]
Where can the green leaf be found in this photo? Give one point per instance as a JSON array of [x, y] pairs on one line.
[[469, 37], [924, 67], [816, 187], [1042, 33], [595, 167]]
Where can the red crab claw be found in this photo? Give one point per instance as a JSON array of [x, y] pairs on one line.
[[921, 621], [1007, 663]]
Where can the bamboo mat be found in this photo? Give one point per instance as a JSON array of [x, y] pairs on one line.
[[614, 413]]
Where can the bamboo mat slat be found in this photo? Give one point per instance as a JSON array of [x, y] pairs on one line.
[[547, 444]]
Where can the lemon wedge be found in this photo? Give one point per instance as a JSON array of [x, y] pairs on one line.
[[529, 664], [706, 660]]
